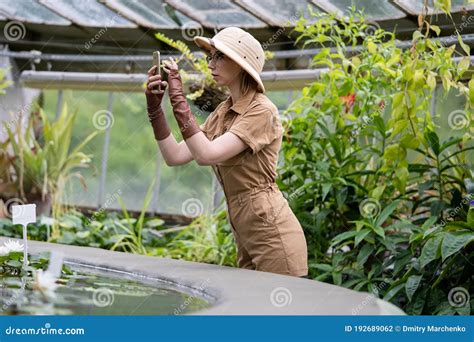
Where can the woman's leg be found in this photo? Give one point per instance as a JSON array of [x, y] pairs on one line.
[[243, 259], [270, 235]]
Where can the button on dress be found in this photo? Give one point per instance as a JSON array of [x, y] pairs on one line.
[[268, 235]]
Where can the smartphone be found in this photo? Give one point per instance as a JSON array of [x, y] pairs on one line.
[[157, 62]]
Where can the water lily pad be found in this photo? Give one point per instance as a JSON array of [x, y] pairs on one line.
[[83, 235], [13, 263]]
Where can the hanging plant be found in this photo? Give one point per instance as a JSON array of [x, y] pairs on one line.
[[204, 91]]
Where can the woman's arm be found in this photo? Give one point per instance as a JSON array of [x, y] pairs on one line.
[[207, 152], [204, 151], [173, 153], [199, 148]]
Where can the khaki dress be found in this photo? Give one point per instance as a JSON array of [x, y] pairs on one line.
[[268, 235]]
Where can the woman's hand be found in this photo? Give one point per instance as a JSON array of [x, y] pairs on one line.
[[186, 121], [154, 81], [170, 66], [153, 101], [174, 80]]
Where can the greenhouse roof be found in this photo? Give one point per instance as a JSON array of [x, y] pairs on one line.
[[211, 14], [82, 31]]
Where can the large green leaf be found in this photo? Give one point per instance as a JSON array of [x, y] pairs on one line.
[[412, 285], [361, 235], [386, 212], [431, 250], [364, 254], [453, 242], [433, 141], [343, 236], [429, 227], [471, 92], [392, 293]]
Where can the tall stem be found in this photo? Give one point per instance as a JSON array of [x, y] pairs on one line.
[[25, 246]]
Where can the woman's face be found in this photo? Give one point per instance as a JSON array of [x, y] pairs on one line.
[[224, 70]]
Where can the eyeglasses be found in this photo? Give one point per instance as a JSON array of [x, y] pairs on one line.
[[217, 56]]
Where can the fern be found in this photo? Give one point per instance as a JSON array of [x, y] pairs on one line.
[[178, 45], [198, 64]]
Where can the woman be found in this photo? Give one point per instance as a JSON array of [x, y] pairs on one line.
[[240, 139]]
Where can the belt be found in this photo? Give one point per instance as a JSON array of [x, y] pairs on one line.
[[244, 194]]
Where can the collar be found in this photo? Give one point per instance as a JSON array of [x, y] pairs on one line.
[[241, 105]]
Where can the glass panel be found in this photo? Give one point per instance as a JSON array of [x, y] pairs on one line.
[[416, 6], [452, 119], [282, 98], [277, 13], [31, 11], [183, 19], [131, 165], [217, 13], [373, 9], [233, 18], [88, 13], [450, 114], [85, 103], [149, 13], [187, 189], [209, 5]]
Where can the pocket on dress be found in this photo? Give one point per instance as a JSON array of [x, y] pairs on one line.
[[262, 207]]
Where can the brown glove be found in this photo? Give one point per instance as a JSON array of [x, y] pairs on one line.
[[186, 120], [155, 112]]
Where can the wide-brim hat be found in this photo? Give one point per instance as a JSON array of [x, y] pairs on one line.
[[241, 47]]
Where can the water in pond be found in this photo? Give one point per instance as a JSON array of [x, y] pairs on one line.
[[92, 292]]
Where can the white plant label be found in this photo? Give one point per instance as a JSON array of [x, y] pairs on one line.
[[24, 214]]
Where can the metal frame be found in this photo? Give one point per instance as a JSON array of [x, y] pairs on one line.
[[199, 17], [266, 16], [131, 19], [131, 15], [282, 54], [273, 80], [407, 6], [105, 153], [38, 79], [60, 10], [8, 11], [329, 7]]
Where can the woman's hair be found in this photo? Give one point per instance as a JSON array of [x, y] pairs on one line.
[[247, 82]]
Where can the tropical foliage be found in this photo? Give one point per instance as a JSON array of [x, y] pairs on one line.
[[367, 174]]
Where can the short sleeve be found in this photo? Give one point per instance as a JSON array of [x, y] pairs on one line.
[[257, 127], [209, 125], [203, 127]]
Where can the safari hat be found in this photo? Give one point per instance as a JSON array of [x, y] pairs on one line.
[[241, 47]]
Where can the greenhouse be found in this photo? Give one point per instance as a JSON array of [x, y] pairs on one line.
[[236, 157]]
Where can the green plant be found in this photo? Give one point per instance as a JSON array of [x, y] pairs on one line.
[[8, 186], [365, 170], [131, 240], [205, 92], [3, 82], [43, 167], [419, 268], [207, 239], [11, 264], [7, 182]]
